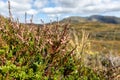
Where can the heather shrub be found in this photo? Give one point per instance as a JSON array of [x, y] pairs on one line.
[[31, 52]]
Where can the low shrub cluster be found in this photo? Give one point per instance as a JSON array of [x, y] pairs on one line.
[[29, 52]]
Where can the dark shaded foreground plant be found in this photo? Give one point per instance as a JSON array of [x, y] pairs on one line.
[[39, 53]]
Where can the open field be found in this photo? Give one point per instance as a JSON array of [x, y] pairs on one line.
[[102, 35]]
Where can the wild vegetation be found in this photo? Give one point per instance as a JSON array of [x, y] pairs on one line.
[[54, 51], [57, 51]]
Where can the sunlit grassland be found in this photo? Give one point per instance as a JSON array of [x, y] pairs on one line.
[[60, 51], [102, 35]]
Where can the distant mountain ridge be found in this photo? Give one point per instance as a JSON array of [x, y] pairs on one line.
[[94, 18]]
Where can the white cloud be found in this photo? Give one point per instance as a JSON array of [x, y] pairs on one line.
[[40, 3], [56, 10], [20, 7], [32, 11], [102, 7], [66, 3], [3, 7], [85, 6], [23, 1]]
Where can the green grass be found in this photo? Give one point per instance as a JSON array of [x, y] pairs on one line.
[[50, 52], [101, 34]]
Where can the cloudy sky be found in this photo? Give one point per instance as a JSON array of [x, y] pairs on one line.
[[50, 9]]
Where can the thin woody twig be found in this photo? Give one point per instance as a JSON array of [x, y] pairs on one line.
[[9, 8]]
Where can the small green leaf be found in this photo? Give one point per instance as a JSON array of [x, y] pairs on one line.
[[2, 51]]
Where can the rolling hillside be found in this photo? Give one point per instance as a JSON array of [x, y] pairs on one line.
[[94, 18], [104, 30]]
